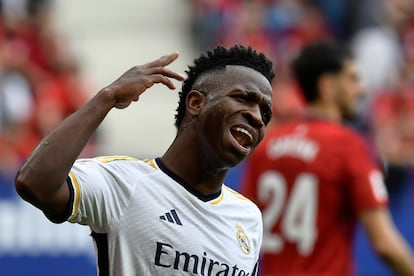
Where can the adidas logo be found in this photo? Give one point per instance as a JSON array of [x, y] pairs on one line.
[[171, 216]]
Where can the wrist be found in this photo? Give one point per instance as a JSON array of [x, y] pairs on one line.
[[106, 97]]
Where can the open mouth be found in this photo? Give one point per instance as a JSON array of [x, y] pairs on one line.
[[243, 137]]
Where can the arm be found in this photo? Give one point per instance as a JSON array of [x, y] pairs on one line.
[[386, 241], [42, 179]]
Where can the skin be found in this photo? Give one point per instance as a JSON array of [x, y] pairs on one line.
[[204, 141], [386, 241], [338, 95], [41, 180], [350, 90]]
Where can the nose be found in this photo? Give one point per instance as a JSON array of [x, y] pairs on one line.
[[254, 116]]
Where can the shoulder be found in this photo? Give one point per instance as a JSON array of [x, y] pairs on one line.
[[354, 136], [342, 131], [105, 159], [234, 194], [114, 164], [114, 161], [357, 146], [240, 199]]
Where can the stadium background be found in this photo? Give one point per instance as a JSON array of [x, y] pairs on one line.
[[87, 44]]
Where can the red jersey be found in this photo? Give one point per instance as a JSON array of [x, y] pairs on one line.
[[311, 178]]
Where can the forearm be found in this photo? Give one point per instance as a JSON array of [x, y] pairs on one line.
[[387, 241], [41, 180], [399, 257], [41, 177]]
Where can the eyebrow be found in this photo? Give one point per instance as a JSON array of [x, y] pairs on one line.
[[265, 105], [258, 95]]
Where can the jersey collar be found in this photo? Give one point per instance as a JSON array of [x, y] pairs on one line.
[[180, 181]]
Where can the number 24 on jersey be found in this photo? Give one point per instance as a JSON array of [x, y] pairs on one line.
[[298, 222]]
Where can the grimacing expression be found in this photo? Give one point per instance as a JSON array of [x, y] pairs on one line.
[[236, 113], [349, 90]]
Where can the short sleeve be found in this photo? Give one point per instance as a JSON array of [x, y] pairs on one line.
[[366, 180], [102, 189]]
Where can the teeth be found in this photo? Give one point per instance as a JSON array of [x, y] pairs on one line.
[[242, 130]]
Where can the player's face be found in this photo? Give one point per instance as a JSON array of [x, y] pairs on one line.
[[236, 114], [349, 90]]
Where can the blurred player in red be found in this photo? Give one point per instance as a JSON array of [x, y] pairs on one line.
[[314, 178]]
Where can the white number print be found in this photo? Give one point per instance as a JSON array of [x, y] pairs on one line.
[[298, 221]]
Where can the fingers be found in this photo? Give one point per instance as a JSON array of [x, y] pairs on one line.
[[163, 61], [138, 79], [159, 74], [159, 78], [165, 72]]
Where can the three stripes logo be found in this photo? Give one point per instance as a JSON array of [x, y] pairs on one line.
[[172, 217]]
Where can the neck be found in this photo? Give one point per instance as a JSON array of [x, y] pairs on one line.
[[324, 111], [188, 163]]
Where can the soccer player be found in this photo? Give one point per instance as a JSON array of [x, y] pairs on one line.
[[170, 215], [314, 178]]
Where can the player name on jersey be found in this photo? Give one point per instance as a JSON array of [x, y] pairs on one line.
[[293, 145]]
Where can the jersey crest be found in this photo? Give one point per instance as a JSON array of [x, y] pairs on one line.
[[243, 240]]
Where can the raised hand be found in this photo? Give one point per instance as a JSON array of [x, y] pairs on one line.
[[135, 81]]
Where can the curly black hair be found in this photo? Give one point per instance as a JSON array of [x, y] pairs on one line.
[[217, 59]]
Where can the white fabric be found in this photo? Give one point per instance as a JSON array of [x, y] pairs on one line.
[[133, 202]]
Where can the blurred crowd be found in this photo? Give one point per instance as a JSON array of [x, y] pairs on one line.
[[380, 34], [40, 80]]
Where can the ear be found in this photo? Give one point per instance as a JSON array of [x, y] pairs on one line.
[[325, 87], [195, 100]]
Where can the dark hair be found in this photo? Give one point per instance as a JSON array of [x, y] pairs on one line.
[[217, 59], [315, 60]]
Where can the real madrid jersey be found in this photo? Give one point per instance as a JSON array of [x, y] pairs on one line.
[[146, 222]]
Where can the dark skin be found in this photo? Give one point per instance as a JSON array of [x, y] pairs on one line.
[[42, 179], [204, 141]]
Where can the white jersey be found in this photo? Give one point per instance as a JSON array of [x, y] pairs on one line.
[[146, 222]]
